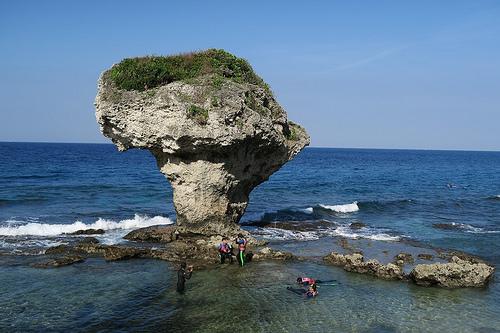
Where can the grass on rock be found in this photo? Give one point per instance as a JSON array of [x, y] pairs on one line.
[[200, 115], [152, 71]]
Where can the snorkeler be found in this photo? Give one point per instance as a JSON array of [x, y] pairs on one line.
[[242, 243], [183, 274], [305, 281], [312, 291]]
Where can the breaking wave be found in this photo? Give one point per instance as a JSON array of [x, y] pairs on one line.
[[343, 231], [346, 208], [45, 229]]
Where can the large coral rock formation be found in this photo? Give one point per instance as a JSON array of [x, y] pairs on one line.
[[216, 134], [458, 273], [356, 263]]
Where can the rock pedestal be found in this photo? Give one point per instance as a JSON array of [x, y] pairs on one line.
[[213, 142]]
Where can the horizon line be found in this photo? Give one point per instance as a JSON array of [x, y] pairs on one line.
[[321, 147]]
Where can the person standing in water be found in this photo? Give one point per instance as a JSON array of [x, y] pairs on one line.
[[183, 274], [242, 244]]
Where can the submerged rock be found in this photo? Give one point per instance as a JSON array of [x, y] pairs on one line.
[[425, 256], [212, 124], [403, 258], [447, 226], [357, 225], [60, 261], [122, 252], [295, 225], [88, 232], [457, 273], [268, 253]]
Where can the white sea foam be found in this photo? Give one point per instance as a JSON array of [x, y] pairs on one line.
[[344, 231], [346, 208], [363, 233], [282, 234], [27, 243], [45, 229], [308, 210]]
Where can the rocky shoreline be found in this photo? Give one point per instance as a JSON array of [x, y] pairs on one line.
[[449, 269], [457, 273], [157, 242]]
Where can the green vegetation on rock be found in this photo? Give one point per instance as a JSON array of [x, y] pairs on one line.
[[200, 115], [152, 71], [293, 131]]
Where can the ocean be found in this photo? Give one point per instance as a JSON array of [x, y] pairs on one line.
[[439, 199]]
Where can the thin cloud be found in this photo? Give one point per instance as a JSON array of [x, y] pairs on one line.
[[378, 56]]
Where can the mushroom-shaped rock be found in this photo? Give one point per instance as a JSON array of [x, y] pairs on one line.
[[212, 124]]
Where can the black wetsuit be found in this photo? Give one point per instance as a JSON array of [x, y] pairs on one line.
[[182, 276], [301, 291]]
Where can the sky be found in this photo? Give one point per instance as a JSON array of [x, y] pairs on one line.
[[356, 74]]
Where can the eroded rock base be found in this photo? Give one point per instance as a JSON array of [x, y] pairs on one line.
[[457, 273]]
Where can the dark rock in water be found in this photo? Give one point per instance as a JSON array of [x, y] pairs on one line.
[[89, 240], [357, 225], [88, 232], [120, 252], [295, 225], [78, 247], [458, 273], [268, 253], [344, 243], [446, 226], [448, 254], [403, 258], [154, 234], [59, 249], [89, 247], [355, 263], [60, 261], [425, 256]]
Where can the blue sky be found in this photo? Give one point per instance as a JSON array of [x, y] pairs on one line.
[[380, 74]]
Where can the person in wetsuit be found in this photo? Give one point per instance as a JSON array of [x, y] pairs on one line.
[[312, 290], [242, 244], [225, 251], [309, 292], [305, 281], [183, 274]]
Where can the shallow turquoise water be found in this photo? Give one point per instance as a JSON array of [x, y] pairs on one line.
[[139, 295], [399, 195]]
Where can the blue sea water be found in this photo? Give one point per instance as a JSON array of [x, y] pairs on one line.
[[400, 195]]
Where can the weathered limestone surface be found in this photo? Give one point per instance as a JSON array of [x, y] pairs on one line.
[[457, 273], [356, 263], [212, 160]]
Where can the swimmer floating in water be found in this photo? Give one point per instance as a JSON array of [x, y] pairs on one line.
[[312, 291], [305, 281]]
